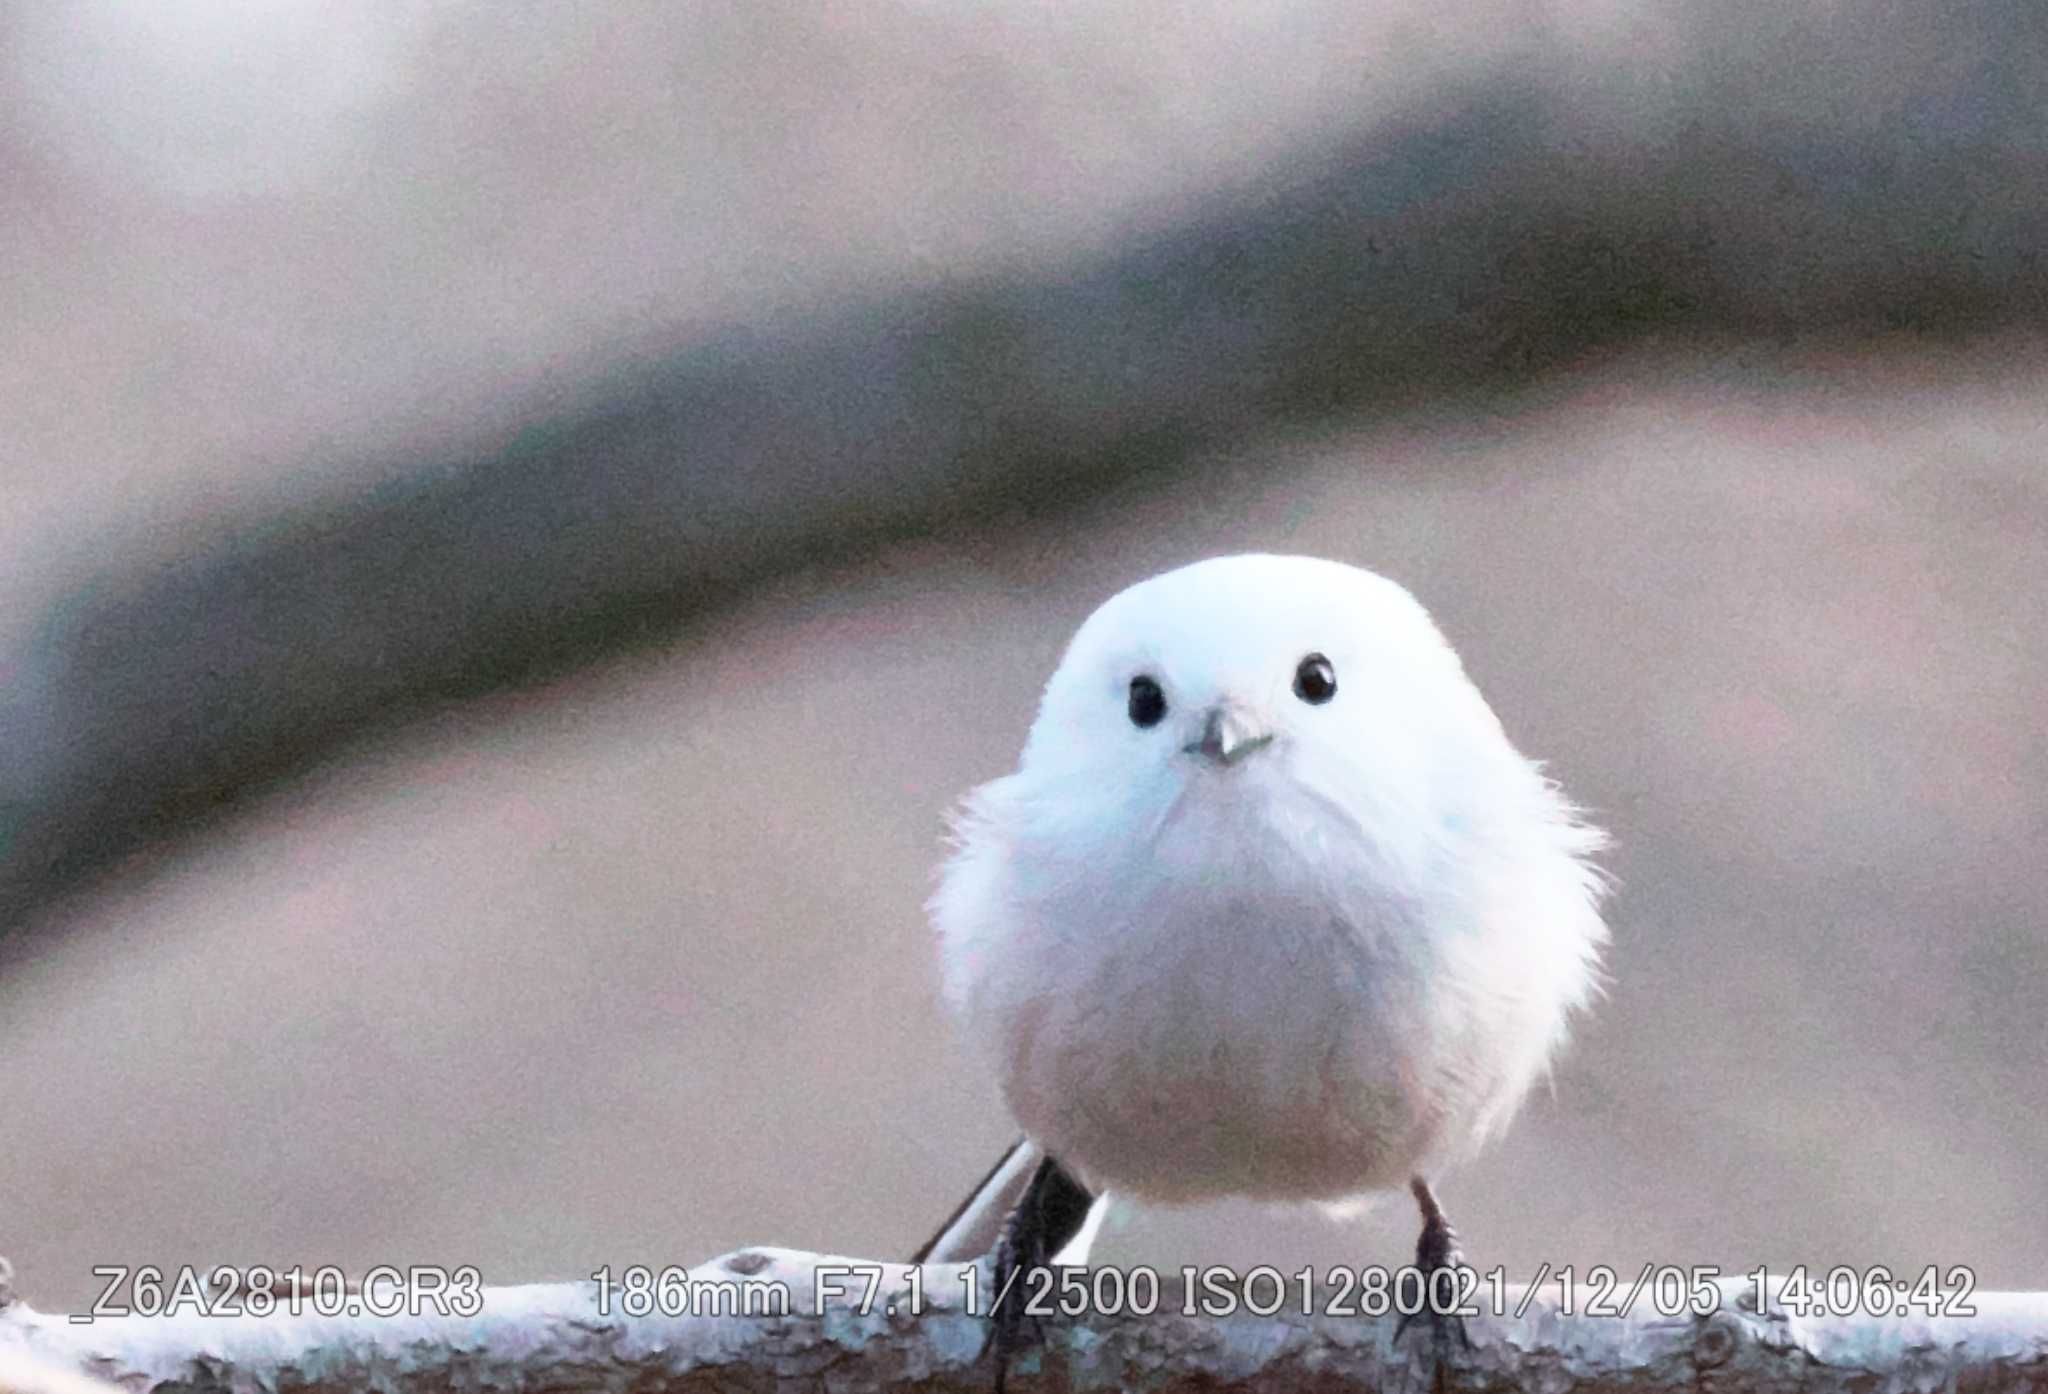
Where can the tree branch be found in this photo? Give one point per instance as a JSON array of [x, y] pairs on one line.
[[570, 1336]]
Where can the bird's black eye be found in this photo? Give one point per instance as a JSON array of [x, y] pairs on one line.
[[1315, 681], [1148, 703]]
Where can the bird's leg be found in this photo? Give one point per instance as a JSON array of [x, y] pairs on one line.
[[1437, 1253], [1052, 1211]]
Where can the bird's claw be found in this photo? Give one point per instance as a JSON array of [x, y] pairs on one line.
[[1443, 1327], [1437, 1255], [1015, 1327], [1052, 1210]]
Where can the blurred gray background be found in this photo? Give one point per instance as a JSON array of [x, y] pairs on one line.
[[516, 521]]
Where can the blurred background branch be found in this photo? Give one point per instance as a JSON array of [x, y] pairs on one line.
[[1785, 171]]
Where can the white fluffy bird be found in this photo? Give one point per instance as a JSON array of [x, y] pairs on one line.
[[1270, 908]]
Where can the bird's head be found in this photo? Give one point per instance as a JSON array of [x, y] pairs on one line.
[[1250, 678]]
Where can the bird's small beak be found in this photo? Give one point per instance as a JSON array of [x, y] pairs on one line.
[[1228, 735]]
